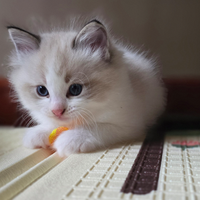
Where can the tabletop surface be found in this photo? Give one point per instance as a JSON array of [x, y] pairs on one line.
[[42, 174]]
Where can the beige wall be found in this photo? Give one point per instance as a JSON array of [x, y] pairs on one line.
[[168, 29]]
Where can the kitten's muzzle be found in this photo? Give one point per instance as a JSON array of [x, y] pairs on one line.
[[58, 112]]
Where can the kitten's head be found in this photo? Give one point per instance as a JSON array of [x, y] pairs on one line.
[[64, 76]]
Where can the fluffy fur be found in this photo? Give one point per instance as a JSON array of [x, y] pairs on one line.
[[122, 92]]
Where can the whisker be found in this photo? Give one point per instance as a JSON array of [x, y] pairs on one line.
[[83, 121], [24, 118], [16, 122], [29, 123], [91, 117], [86, 122]]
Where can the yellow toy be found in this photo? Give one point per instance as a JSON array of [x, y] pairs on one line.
[[55, 133]]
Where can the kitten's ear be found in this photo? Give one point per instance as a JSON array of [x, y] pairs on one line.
[[93, 36], [23, 40]]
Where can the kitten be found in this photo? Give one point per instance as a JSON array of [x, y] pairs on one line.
[[84, 80]]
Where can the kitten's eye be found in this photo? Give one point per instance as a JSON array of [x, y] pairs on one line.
[[42, 91], [75, 89]]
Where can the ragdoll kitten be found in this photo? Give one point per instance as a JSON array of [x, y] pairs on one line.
[[84, 80]]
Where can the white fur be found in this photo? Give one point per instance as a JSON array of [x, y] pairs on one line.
[[129, 99]]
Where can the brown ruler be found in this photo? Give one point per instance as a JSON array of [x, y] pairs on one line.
[[144, 174]]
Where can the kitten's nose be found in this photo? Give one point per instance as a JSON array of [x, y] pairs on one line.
[[58, 112]]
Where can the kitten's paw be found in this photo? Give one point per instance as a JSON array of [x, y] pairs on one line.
[[36, 138], [74, 141]]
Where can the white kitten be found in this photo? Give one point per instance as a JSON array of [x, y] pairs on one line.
[[84, 80]]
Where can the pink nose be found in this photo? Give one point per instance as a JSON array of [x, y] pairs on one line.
[[58, 112]]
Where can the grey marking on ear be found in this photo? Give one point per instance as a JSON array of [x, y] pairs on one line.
[[93, 36], [94, 20], [24, 41]]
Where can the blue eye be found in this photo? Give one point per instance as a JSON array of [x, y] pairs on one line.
[[75, 89], [42, 91]]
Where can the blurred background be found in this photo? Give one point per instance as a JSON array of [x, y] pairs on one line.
[[168, 30]]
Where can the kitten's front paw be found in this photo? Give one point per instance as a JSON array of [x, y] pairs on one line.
[[36, 138], [74, 141]]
